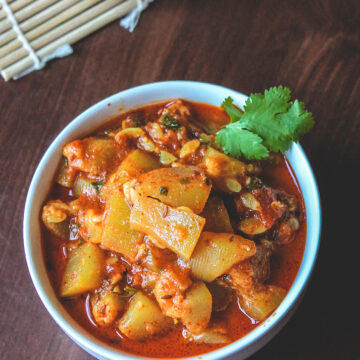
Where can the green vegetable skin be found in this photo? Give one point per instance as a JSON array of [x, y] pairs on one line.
[[270, 122]]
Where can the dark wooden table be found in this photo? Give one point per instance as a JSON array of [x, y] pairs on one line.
[[313, 47]]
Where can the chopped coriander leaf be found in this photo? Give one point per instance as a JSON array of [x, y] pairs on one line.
[[137, 122], [270, 122], [81, 242], [163, 190], [237, 141], [129, 291], [254, 183], [288, 201], [170, 123], [97, 186]]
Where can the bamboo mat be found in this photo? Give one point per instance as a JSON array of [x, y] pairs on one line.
[[32, 32]]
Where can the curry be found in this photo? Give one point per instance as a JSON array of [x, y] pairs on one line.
[[160, 244]]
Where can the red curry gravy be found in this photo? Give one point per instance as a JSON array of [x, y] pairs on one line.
[[285, 262]]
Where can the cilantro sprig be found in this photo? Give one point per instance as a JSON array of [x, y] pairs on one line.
[[270, 122]]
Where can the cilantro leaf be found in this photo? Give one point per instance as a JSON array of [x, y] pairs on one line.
[[263, 114], [97, 186], [270, 122], [300, 121], [170, 123], [233, 112], [237, 141]]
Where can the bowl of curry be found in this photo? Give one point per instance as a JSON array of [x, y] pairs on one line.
[[144, 239]]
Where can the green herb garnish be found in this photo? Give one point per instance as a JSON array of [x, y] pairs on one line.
[[137, 123], [163, 190], [270, 122], [170, 123], [81, 242], [97, 186], [254, 183], [129, 291]]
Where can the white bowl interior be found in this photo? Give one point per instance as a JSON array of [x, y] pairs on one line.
[[90, 120]]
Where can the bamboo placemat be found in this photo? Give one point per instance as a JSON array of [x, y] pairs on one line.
[[32, 32]]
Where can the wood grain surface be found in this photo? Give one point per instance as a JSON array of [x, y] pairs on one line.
[[313, 47]]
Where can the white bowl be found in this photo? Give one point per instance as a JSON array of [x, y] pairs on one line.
[[84, 124]]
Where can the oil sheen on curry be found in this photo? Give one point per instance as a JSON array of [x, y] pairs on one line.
[[161, 245]]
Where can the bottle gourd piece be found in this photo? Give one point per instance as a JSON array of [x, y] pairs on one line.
[[118, 236], [197, 307], [179, 186], [143, 318], [216, 253], [84, 270], [177, 230], [135, 164], [259, 303], [55, 216]]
